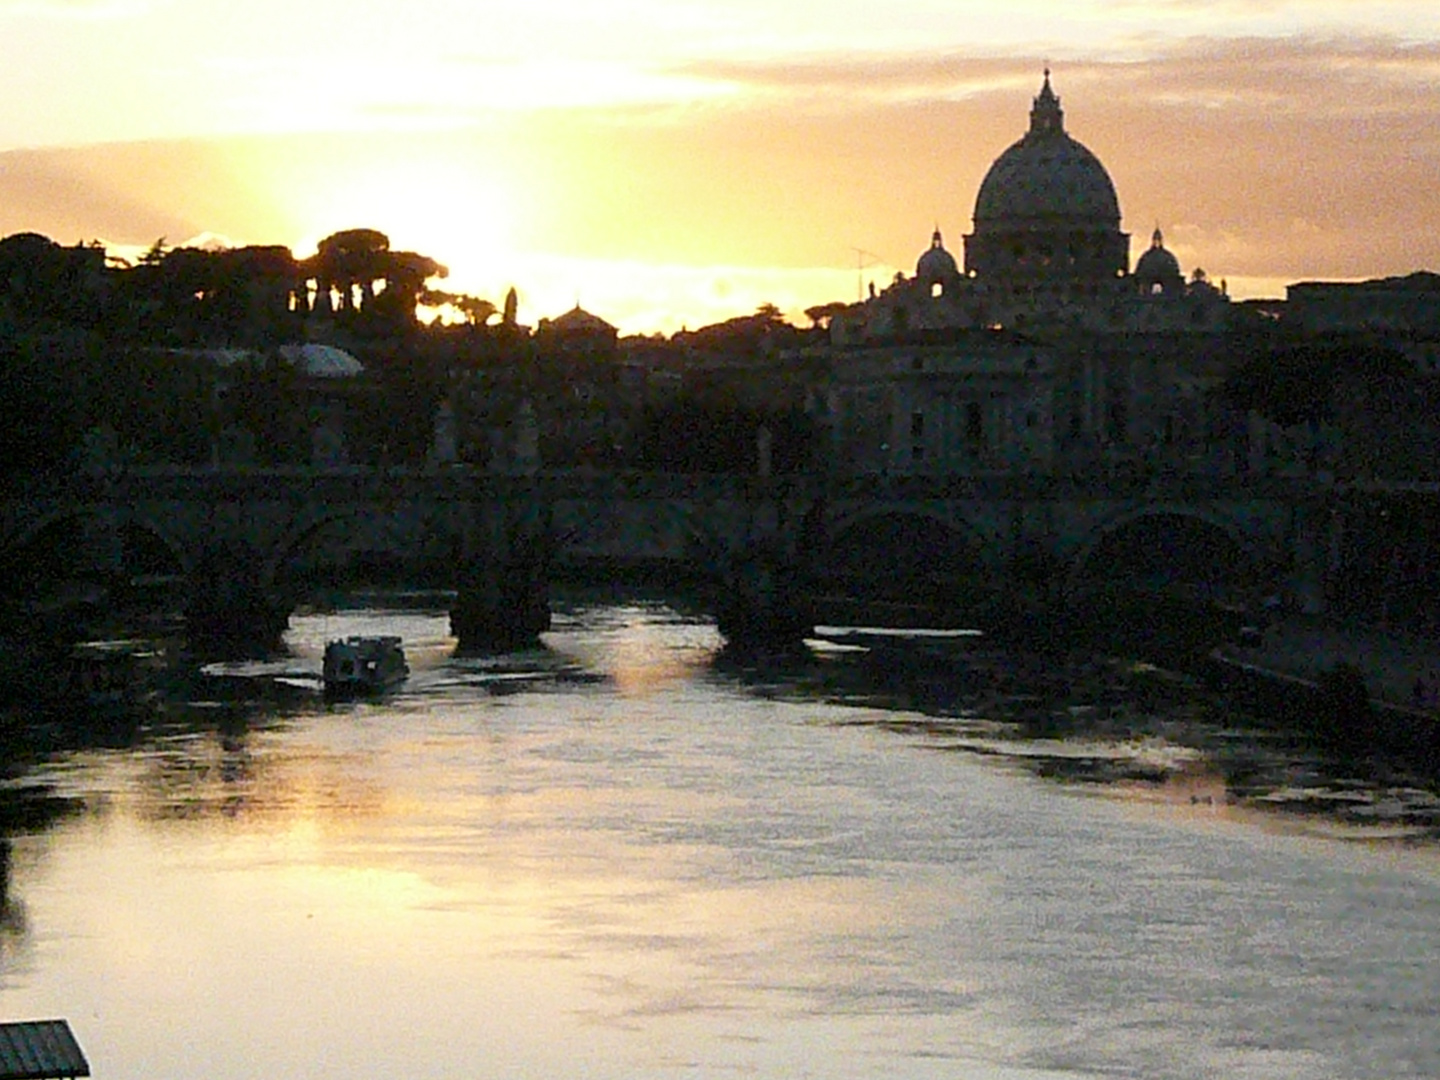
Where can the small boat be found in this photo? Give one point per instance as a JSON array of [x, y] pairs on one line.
[[356, 666]]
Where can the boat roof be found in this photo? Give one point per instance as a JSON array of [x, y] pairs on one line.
[[40, 1050], [366, 641]]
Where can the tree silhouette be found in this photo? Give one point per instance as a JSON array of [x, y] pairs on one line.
[[352, 263], [476, 310], [404, 274], [821, 315], [45, 285], [347, 260], [1300, 382]]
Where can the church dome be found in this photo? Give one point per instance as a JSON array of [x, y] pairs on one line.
[[1047, 176], [1047, 220], [1158, 270], [936, 264]]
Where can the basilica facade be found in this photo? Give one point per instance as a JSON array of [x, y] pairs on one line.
[[1047, 250], [1046, 349]]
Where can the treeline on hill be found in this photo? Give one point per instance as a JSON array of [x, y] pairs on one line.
[[92, 347], [1315, 381], [165, 359]]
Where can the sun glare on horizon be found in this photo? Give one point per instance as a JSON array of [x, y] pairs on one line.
[[448, 215], [553, 228], [563, 221]]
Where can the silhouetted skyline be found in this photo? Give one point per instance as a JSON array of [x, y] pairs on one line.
[[668, 165]]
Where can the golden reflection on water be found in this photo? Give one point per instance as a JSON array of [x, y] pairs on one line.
[[643, 661], [503, 911], [213, 775]]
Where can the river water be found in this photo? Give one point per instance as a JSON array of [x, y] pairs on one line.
[[622, 856]]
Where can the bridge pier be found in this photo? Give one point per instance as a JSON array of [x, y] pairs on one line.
[[762, 604], [500, 606], [502, 597], [231, 606], [763, 601]]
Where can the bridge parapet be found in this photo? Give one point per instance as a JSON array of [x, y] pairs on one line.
[[458, 482]]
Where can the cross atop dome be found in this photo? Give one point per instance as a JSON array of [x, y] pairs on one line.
[[1046, 116]]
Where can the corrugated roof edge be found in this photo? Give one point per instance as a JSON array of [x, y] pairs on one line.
[[40, 1050]]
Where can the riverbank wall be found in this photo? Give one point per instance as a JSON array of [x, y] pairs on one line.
[[1337, 708], [1360, 688], [1357, 690]]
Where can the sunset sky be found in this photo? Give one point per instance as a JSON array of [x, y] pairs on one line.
[[675, 162]]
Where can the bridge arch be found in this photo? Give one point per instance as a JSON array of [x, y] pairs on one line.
[[907, 547], [1176, 547], [604, 529], [402, 528], [144, 544]]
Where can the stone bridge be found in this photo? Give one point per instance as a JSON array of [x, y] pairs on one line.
[[242, 539]]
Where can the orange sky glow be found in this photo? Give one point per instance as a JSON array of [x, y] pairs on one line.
[[673, 163]]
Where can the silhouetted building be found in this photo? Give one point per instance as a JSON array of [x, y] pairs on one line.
[[1046, 352], [1157, 272], [1047, 252], [978, 403], [580, 409], [577, 333], [1408, 306]]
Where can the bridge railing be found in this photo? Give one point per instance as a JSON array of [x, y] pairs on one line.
[[479, 484]]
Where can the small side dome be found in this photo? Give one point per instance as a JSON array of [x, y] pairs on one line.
[[936, 266], [1158, 271], [321, 361]]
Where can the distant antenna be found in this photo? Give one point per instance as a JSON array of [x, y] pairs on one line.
[[860, 264]]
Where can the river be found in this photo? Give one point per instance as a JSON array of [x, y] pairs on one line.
[[625, 857]]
